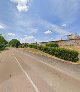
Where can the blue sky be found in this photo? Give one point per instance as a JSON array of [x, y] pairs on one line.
[[39, 20]]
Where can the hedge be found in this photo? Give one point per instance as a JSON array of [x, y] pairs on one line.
[[52, 44], [64, 54], [61, 53], [32, 46]]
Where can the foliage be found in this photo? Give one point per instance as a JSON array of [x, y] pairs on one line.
[[61, 53], [33, 46], [52, 44], [14, 43], [24, 45], [3, 42], [65, 54]]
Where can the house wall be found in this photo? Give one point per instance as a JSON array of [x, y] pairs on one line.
[[42, 43], [73, 36], [73, 42], [69, 43]]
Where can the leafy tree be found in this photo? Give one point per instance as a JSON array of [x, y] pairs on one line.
[[3, 42], [14, 43]]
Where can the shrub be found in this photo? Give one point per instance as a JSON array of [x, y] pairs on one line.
[[64, 54], [61, 53], [32, 46], [52, 44]]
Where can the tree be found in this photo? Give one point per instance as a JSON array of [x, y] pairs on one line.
[[3, 42], [14, 43]]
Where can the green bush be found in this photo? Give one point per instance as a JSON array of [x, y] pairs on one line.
[[61, 53], [52, 44], [39, 47], [32, 46]]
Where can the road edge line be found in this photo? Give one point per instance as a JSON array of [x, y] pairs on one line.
[[52, 66], [35, 87]]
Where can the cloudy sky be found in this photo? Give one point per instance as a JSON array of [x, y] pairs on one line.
[[39, 20]]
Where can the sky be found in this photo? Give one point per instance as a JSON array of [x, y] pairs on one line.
[[39, 20]]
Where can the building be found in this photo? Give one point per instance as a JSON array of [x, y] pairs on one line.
[[73, 36], [35, 43], [43, 43], [72, 40]]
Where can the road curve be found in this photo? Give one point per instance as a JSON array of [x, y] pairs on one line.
[[23, 72]]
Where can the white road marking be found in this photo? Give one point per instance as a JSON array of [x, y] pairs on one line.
[[35, 87], [53, 67]]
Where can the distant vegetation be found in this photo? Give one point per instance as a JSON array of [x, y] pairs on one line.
[[54, 50], [14, 43], [3, 43], [50, 48]]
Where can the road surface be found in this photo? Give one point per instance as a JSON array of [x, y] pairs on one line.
[[21, 71]]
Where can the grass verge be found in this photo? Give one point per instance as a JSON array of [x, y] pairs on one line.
[[38, 52]]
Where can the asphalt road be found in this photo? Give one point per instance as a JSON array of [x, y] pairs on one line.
[[21, 71]]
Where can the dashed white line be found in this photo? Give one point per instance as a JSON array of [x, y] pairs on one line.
[[35, 87]]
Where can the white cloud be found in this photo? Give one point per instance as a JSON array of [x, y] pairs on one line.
[[29, 37], [32, 30], [63, 25], [59, 37], [2, 26], [59, 30], [54, 28], [48, 32], [36, 40], [11, 34], [25, 35], [67, 10], [26, 39], [22, 5]]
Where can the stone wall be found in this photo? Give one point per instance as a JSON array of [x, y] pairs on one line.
[[69, 42], [73, 42]]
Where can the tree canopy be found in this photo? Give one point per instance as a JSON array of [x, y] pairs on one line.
[[14, 43], [3, 42]]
